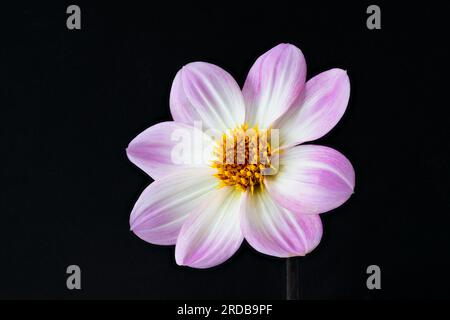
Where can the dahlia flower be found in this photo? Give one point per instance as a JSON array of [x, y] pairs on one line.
[[232, 165]]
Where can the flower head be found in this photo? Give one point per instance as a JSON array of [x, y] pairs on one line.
[[231, 164]]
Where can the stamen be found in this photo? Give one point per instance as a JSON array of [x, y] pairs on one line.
[[241, 157]]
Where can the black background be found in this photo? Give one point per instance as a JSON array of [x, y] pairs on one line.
[[72, 100]]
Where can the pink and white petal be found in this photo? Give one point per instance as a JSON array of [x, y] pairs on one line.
[[276, 231], [168, 147], [319, 108], [212, 232], [312, 179], [273, 84], [163, 207], [205, 92]]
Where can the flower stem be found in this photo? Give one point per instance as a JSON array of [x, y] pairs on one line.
[[292, 283]]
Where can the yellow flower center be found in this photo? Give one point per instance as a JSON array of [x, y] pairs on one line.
[[242, 158]]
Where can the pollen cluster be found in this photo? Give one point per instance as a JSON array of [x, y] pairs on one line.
[[242, 158]]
